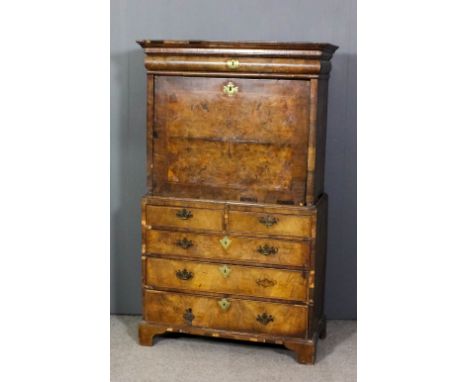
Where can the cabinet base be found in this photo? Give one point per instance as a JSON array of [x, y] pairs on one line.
[[304, 349]]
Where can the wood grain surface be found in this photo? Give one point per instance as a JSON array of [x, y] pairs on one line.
[[208, 219], [253, 140], [267, 251], [169, 308], [241, 280]]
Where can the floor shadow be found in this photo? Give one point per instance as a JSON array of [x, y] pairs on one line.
[[131, 325], [337, 333]]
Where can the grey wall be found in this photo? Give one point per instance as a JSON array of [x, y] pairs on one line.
[[331, 21]]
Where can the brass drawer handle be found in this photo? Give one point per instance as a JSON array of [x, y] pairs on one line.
[[184, 214], [224, 304], [184, 274], [230, 89], [265, 318], [184, 243], [188, 316], [267, 250], [232, 64], [266, 282], [268, 220]]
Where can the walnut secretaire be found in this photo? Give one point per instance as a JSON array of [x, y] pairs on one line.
[[234, 222]]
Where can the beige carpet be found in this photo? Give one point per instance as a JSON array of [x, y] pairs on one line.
[[196, 359]]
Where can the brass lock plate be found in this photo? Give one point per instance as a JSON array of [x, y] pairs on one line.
[[225, 271], [230, 89], [225, 242], [224, 304], [232, 64]]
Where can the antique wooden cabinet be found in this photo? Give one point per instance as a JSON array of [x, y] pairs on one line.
[[234, 221]]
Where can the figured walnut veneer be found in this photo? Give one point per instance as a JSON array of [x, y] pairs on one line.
[[246, 249], [241, 316], [242, 280]]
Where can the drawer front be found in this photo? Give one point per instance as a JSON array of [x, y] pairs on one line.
[[231, 279], [184, 217], [262, 251], [227, 136], [271, 224], [238, 64], [225, 314]]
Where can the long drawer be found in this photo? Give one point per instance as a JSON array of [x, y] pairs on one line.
[[225, 247], [228, 279], [225, 314]]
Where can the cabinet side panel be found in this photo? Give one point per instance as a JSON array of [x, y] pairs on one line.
[[320, 263], [321, 131], [312, 144], [149, 131]]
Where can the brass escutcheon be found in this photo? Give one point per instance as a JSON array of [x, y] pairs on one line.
[[224, 304], [232, 64], [225, 271], [230, 89], [225, 242]]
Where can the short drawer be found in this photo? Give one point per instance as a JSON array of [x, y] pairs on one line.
[[184, 217], [225, 313], [271, 224], [240, 248], [222, 278]]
